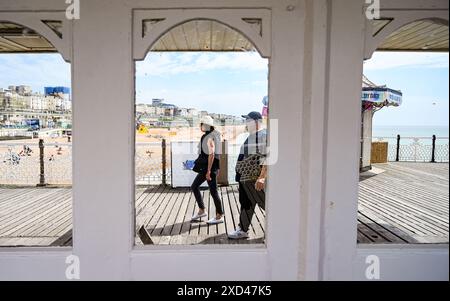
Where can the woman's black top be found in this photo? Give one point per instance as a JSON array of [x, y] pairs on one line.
[[204, 150]]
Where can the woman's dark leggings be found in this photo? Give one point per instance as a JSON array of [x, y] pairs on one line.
[[199, 179]]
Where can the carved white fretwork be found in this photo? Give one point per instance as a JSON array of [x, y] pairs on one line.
[[394, 20], [53, 26], [150, 25]]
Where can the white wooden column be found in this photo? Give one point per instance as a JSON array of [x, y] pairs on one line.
[[103, 139], [285, 101], [313, 120], [342, 138]]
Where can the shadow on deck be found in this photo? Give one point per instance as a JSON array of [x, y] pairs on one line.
[[165, 213]]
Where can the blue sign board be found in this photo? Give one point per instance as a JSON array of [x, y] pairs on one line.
[[382, 95]]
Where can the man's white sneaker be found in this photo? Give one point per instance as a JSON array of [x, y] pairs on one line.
[[214, 221], [197, 216], [238, 234]]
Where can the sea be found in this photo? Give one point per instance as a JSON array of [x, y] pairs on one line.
[[425, 133]]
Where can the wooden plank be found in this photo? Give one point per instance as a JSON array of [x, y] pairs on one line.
[[190, 211], [49, 223], [180, 220], [145, 197], [156, 208], [25, 226], [402, 204], [362, 238], [172, 215], [161, 221], [58, 224], [60, 216], [147, 212], [380, 229], [210, 207], [9, 194], [203, 227], [230, 223], [24, 201], [63, 239], [25, 204], [399, 230], [370, 233], [27, 241], [145, 236], [416, 220], [427, 204], [221, 230], [176, 239], [191, 239], [16, 221], [233, 195], [403, 222], [425, 187], [67, 228], [418, 216]]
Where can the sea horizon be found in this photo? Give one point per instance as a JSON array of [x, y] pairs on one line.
[[441, 131]]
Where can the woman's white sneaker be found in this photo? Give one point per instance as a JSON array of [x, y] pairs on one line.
[[238, 234], [197, 216], [214, 221]]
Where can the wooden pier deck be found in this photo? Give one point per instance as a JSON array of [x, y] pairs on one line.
[[168, 212], [405, 203]]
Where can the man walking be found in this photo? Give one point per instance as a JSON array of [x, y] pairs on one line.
[[251, 173]]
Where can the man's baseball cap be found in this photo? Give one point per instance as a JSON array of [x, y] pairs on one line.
[[253, 115]]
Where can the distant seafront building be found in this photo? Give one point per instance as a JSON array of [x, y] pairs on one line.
[[19, 105], [167, 113], [157, 101]]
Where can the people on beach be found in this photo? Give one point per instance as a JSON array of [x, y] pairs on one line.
[[207, 168], [26, 151], [251, 188]]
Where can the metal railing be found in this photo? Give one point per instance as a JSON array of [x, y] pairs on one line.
[[152, 163], [41, 164], [25, 163], [31, 163], [417, 149]]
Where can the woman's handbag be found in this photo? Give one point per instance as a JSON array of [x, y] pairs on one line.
[[200, 165]]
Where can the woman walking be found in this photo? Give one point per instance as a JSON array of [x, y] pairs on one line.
[[207, 167]]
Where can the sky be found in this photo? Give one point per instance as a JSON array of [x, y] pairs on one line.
[[423, 80], [230, 83], [35, 70], [235, 83]]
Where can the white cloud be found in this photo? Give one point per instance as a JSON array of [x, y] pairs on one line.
[[163, 64], [36, 70], [389, 60]]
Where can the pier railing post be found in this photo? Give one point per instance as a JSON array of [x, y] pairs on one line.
[[41, 164], [164, 162], [223, 174], [397, 153], [433, 149]]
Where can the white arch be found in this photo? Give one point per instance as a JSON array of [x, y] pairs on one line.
[[399, 19], [33, 20], [229, 17]]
